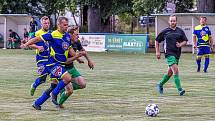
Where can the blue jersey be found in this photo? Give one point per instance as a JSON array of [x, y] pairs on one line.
[[202, 34], [59, 44], [41, 56]]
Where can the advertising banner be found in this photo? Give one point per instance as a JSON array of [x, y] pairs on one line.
[[95, 43], [129, 43]]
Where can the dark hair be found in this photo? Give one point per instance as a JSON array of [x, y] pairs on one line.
[[204, 17], [72, 28], [44, 18], [61, 18], [10, 30], [173, 15]]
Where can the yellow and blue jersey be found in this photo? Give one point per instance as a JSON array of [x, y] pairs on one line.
[[202, 34], [59, 44], [41, 56]]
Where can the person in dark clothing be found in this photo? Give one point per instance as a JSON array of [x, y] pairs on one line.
[[13, 38], [174, 38]]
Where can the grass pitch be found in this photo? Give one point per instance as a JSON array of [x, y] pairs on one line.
[[118, 89]]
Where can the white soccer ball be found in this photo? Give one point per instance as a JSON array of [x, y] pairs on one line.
[[152, 110]]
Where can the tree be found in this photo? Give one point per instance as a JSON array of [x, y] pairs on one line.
[[205, 6], [147, 7], [184, 6]]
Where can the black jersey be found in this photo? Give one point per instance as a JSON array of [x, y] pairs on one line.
[[76, 46], [170, 37]]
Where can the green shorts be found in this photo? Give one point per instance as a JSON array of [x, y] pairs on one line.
[[73, 71], [171, 60]]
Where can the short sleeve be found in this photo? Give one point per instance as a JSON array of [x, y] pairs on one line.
[[194, 32], [184, 37], [79, 46], [209, 32], [46, 37], [160, 37]]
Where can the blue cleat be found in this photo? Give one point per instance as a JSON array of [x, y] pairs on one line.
[[182, 92], [159, 88], [37, 107], [54, 99]]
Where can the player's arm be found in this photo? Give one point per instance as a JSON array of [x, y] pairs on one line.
[[194, 38], [194, 41], [74, 56], [157, 49], [31, 41], [34, 46], [158, 39], [181, 44], [90, 62], [211, 42], [184, 40]]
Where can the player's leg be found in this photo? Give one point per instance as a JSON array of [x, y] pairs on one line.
[[42, 72], [176, 78], [37, 104], [65, 95], [207, 58], [64, 79], [198, 58], [165, 78], [78, 83]]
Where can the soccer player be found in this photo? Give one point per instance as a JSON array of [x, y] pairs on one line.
[[13, 38], [42, 54], [79, 81], [174, 38], [33, 24], [202, 41], [60, 47]]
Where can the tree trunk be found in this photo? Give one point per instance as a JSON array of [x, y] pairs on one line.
[[73, 15], [94, 19], [206, 6]]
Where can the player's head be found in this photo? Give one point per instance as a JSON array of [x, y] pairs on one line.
[[172, 21], [62, 23], [73, 31], [10, 30], [45, 23], [203, 20], [32, 18]]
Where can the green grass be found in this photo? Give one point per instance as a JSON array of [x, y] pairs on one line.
[[118, 89]]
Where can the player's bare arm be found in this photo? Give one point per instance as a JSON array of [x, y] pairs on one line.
[[157, 48], [211, 42], [194, 42], [90, 62], [74, 56], [181, 44], [31, 41], [34, 46]]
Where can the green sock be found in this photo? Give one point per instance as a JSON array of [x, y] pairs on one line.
[[63, 98], [76, 86], [63, 90], [177, 82], [164, 79]]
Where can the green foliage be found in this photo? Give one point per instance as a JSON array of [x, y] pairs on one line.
[[183, 6], [146, 7]]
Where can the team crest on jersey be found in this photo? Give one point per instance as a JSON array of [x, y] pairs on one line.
[[202, 33], [206, 29], [65, 45], [68, 39], [40, 69], [57, 71]]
